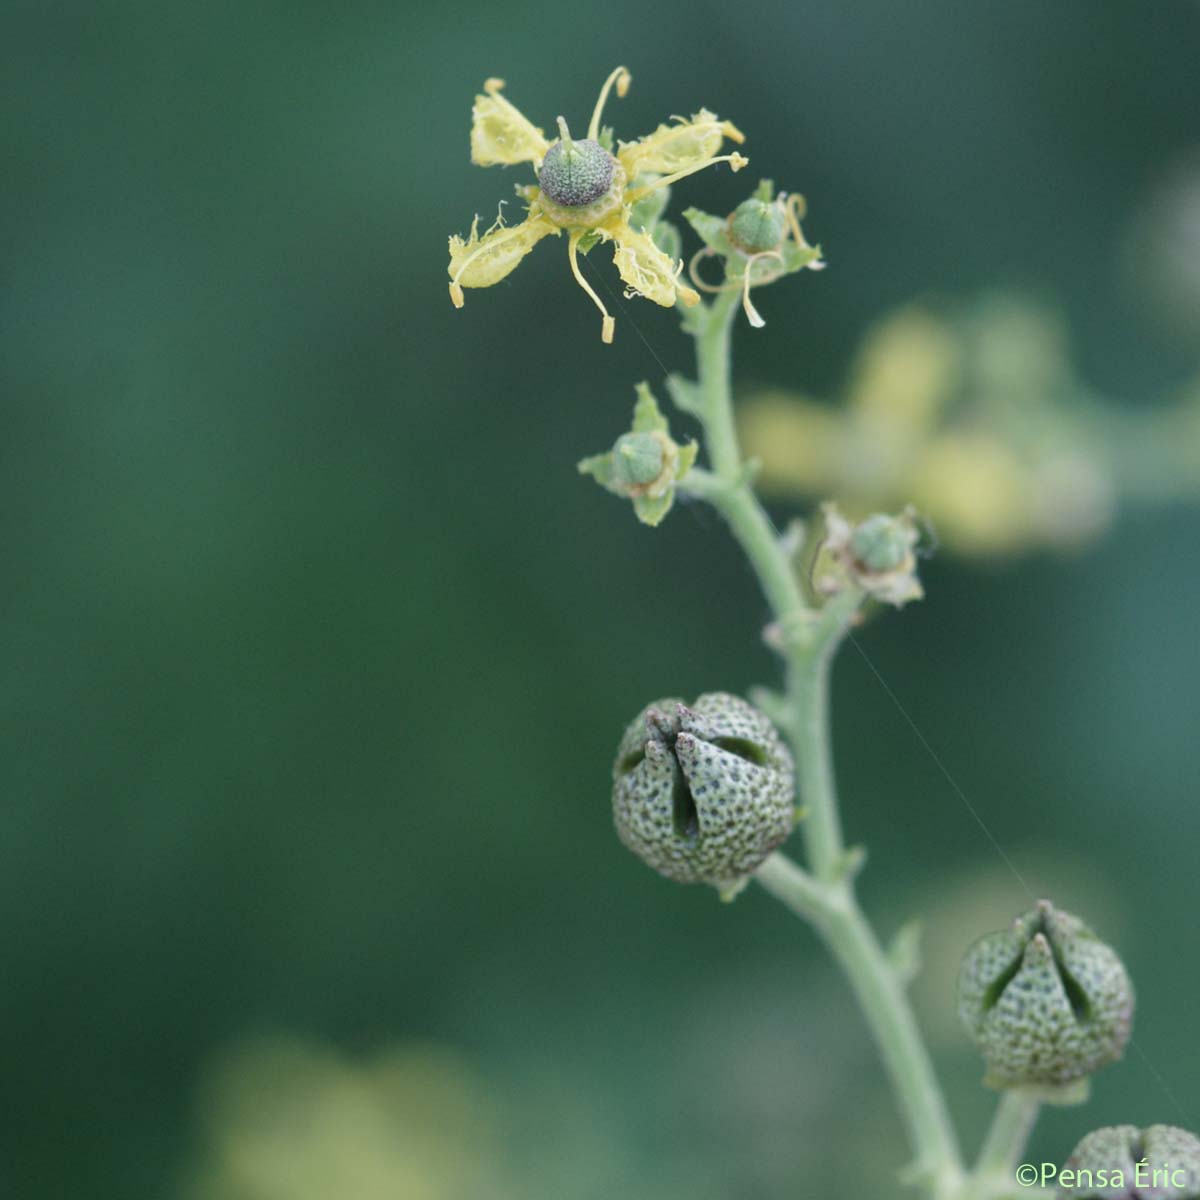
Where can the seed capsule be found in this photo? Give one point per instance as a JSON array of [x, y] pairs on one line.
[[1046, 1001], [1123, 1162], [703, 793], [576, 173]]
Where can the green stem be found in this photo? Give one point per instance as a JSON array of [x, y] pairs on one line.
[[1015, 1117], [752, 527], [834, 912], [808, 706], [727, 487], [826, 896], [714, 377]]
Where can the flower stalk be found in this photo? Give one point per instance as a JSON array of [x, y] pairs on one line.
[[824, 894], [1015, 1117]]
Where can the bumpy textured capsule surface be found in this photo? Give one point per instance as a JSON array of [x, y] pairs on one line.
[[703, 793], [576, 173], [757, 225], [1123, 1162], [1046, 1001]]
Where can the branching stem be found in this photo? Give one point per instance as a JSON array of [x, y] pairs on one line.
[[824, 893]]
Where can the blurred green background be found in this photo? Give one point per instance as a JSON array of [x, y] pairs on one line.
[[315, 649]]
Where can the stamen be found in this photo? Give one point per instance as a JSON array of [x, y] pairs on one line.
[[735, 161], [794, 209], [694, 274], [606, 329], [622, 79], [462, 266], [752, 313]]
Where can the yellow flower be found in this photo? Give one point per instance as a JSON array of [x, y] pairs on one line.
[[586, 190]]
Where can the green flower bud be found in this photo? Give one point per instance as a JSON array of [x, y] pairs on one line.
[[644, 464], [638, 459], [882, 543], [878, 554], [1046, 1001], [703, 793], [1123, 1162], [757, 225], [576, 173]]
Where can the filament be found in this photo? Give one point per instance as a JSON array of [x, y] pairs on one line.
[[622, 78], [694, 273], [752, 313], [496, 233], [735, 160], [794, 209], [606, 329]]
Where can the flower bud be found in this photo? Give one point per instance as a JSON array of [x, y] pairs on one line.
[[1046, 1001], [644, 464], [703, 793], [1123, 1162], [878, 554], [757, 225], [638, 458], [881, 544]]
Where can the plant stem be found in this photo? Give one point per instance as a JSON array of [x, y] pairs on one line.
[[826, 896], [808, 703], [834, 912], [1015, 1117], [714, 377], [727, 488]]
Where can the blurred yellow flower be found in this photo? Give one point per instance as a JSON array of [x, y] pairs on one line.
[[977, 421], [978, 489], [586, 190], [291, 1120], [906, 372], [794, 439]]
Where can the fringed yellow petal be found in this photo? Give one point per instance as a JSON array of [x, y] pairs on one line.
[[481, 261], [646, 270], [672, 148], [500, 134]]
